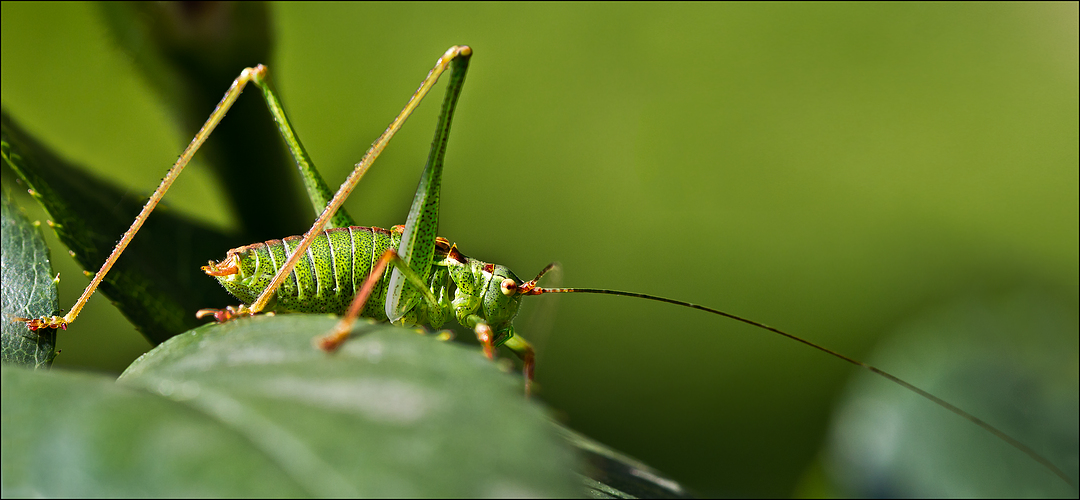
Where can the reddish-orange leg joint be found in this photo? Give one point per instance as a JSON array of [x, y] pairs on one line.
[[36, 324], [484, 335], [223, 315]]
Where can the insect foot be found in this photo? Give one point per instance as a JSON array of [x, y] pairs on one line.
[[223, 315], [331, 341], [485, 336], [43, 322]]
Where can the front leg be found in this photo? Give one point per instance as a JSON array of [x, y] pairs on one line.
[[524, 350], [490, 340]]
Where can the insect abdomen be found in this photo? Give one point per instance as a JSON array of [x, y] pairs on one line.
[[324, 280]]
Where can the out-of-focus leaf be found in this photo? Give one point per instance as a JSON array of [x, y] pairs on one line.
[[610, 474], [156, 283], [69, 434], [887, 442], [28, 288], [190, 52], [250, 408]]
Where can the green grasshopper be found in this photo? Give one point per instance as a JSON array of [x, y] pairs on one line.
[[406, 275]]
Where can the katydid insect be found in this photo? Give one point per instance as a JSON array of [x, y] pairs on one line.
[[421, 281]]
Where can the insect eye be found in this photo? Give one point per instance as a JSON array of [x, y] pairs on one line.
[[508, 286]]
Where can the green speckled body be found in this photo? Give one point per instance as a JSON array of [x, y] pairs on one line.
[[325, 281], [338, 262]]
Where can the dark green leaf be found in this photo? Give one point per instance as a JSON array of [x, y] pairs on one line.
[[28, 289], [610, 474], [888, 442], [250, 408], [190, 53], [74, 434]]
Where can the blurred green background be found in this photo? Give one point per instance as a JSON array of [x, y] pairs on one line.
[[832, 170]]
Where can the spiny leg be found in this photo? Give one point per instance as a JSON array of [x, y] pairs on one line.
[[335, 337], [316, 187], [219, 112], [455, 55], [341, 331], [417, 246], [314, 184]]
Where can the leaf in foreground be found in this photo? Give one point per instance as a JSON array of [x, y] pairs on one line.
[[250, 408]]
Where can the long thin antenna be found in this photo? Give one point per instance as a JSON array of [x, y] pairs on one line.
[[530, 288]]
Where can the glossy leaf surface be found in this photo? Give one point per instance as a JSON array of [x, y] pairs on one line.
[[250, 408], [28, 289]]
